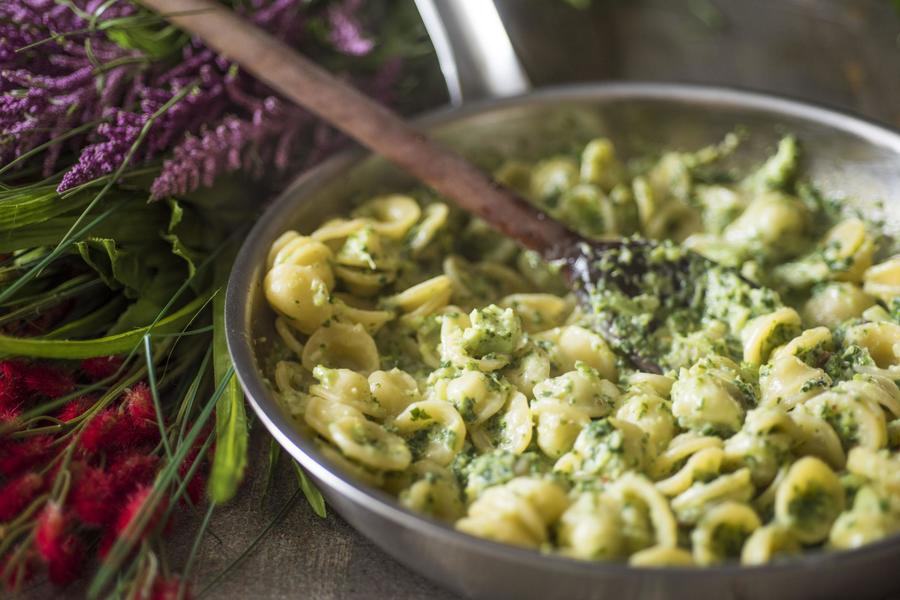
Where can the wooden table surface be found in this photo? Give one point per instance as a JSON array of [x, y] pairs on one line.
[[844, 53]]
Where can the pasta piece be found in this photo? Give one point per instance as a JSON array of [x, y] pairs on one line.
[[553, 176], [680, 449], [706, 399], [638, 492], [434, 429], [809, 500], [835, 302], [421, 236], [591, 529], [344, 465], [643, 407], [881, 339], [300, 294], [767, 543], [290, 381], [518, 512], [341, 346], [572, 343], [391, 216], [763, 444], [538, 312], [529, 368], [852, 410], [350, 310], [347, 387], [883, 279], [770, 225], [765, 333], [286, 333], [434, 492], [565, 404], [486, 340], [606, 447], [422, 299], [370, 443], [701, 466], [393, 390], [599, 164], [690, 505], [510, 429], [662, 556], [876, 466], [869, 520], [721, 533], [815, 437], [476, 396]]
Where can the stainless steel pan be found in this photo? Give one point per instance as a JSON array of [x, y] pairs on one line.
[[844, 155]]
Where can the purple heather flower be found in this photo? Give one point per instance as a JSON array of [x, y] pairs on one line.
[[346, 32], [106, 156], [229, 121]]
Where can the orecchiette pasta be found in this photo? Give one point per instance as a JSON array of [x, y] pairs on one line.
[[430, 357]]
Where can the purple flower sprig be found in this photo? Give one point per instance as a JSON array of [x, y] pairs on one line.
[[229, 122]]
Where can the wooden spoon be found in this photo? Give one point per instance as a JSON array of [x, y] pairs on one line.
[[452, 176]]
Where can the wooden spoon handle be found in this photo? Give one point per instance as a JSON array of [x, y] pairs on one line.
[[370, 123]]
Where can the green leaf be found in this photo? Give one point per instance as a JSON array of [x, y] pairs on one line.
[[230, 459], [114, 344], [313, 495]]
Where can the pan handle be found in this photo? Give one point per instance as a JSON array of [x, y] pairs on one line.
[[474, 51]]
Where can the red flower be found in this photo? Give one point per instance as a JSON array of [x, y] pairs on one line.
[[139, 403], [66, 566], [97, 495], [48, 381], [92, 497], [98, 432], [133, 507], [61, 550], [16, 456], [132, 472], [17, 493], [50, 528], [12, 389], [9, 414], [101, 367], [75, 408], [167, 589]]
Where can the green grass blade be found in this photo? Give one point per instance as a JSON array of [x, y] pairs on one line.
[[114, 344], [312, 493], [230, 459]]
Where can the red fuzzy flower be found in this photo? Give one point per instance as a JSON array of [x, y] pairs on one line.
[[61, 550], [9, 414], [92, 496], [66, 565], [98, 433], [101, 367], [16, 456], [132, 508], [139, 403], [17, 493], [132, 472], [167, 589], [75, 408], [12, 389], [45, 380]]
